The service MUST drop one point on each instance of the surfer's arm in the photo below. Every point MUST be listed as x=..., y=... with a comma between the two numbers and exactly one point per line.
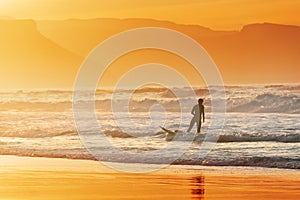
x=193, y=111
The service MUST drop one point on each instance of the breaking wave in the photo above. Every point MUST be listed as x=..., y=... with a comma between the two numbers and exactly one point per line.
x=265, y=103
x=268, y=103
x=272, y=162
x=245, y=137
x=223, y=138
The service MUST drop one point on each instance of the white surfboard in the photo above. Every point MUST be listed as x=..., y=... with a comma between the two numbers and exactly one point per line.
x=181, y=136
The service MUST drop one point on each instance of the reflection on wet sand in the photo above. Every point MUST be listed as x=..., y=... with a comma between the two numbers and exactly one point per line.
x=198, y=189
x=37, y=178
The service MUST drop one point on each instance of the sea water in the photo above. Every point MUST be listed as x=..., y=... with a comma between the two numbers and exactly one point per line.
x=262, y=126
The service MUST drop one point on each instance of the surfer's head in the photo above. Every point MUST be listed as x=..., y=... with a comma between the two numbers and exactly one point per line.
x=200, y=101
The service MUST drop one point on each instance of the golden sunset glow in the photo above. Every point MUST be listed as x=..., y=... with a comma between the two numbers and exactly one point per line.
x=43, y=43
x=216, y=14
x=149, y=99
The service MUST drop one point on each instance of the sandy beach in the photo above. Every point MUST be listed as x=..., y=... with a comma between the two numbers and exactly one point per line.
x=51, y=178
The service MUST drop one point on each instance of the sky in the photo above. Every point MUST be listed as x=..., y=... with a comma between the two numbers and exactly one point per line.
x=215, y=14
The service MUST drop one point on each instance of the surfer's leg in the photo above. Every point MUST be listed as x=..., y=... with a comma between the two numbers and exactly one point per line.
x=198, y=126
x=192, y=123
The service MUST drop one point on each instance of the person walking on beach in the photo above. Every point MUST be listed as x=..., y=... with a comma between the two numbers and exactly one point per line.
x=198, y=111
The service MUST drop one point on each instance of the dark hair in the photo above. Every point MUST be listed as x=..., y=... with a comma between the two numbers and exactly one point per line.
x=200, y=101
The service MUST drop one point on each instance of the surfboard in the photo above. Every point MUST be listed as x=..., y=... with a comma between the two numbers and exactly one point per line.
x=177, y=135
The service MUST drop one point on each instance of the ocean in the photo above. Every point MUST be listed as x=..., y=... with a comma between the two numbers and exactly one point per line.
x=262, y=126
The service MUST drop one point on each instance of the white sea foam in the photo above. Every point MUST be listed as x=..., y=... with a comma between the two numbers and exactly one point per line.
x=262, y=126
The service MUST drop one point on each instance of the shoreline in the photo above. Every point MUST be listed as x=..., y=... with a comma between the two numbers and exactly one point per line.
x=196, y=166
x=59, y=178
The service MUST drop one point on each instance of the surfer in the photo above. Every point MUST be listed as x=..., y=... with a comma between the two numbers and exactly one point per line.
x=198, y=111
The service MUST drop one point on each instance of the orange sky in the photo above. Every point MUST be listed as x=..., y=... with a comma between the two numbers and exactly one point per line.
x=216, y=14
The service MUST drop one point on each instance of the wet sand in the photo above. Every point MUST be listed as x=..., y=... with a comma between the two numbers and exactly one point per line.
x=51, y=178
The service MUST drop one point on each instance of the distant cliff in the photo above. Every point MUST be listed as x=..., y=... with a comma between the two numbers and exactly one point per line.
x=49, y=53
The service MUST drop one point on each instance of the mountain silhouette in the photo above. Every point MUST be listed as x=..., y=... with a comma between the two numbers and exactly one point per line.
x=49, y=53
x=29, y=59
x=242, y=56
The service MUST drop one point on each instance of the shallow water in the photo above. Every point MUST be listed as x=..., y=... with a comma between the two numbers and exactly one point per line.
x=262, y=131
